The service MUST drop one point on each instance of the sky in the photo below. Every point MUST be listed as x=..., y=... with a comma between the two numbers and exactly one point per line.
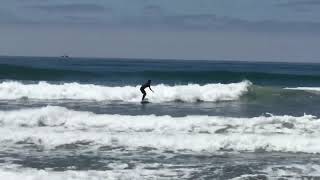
x=250, y=30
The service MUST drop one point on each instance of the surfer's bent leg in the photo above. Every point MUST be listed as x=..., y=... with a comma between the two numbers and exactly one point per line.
x=144, y=93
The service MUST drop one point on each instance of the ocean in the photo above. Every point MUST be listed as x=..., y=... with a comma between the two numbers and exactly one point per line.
x=81, y=118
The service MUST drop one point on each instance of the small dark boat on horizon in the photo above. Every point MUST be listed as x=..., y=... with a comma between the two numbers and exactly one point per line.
x=65, y=56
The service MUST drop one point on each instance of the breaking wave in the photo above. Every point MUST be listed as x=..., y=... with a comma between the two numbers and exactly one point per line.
x=305, y=89
x=54, y=127
x=163, y=93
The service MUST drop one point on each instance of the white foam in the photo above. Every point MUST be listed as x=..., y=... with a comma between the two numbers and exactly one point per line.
x=309, y=170
x=304, y=88
x=131, y=174
x=163, y=93
x=54, y=116
x=51, y=127
x=51, y=139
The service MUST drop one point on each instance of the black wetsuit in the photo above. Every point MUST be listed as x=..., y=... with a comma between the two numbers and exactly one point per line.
x=143, y=91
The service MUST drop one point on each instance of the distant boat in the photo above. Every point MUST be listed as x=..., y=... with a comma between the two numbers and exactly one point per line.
x=65, y=56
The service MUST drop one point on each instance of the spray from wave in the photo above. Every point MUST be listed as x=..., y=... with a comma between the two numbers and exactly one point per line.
x=163, y=93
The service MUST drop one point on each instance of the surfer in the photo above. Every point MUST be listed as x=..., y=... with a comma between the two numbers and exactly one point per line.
x=147, y=84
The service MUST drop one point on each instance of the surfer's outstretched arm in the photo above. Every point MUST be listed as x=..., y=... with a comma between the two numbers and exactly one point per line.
x=151, y=89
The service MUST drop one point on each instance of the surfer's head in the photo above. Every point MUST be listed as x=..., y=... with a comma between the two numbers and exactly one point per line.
x=149, y=81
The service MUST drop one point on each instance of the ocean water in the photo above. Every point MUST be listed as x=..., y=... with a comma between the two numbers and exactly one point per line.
x=81, y=118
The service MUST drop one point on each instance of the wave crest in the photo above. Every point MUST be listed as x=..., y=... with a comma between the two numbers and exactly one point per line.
x=54, y=116
x=163, y=93
x=311, y=89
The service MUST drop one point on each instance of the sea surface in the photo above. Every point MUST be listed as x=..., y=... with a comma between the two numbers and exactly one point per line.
x=81, y=118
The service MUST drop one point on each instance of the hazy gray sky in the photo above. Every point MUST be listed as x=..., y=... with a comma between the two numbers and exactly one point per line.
x=262, y=30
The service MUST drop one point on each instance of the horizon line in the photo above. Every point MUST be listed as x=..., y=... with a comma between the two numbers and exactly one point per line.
x=165, y=59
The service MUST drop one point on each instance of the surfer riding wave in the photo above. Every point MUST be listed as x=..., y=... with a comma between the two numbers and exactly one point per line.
x=143, y=87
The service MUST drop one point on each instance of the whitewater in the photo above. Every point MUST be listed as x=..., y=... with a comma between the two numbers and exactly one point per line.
x=164, y=93
x=312, y=89
x=52, y=127
x=54, y=132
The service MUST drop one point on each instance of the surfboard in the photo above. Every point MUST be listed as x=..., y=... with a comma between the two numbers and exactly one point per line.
x=145, y=102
